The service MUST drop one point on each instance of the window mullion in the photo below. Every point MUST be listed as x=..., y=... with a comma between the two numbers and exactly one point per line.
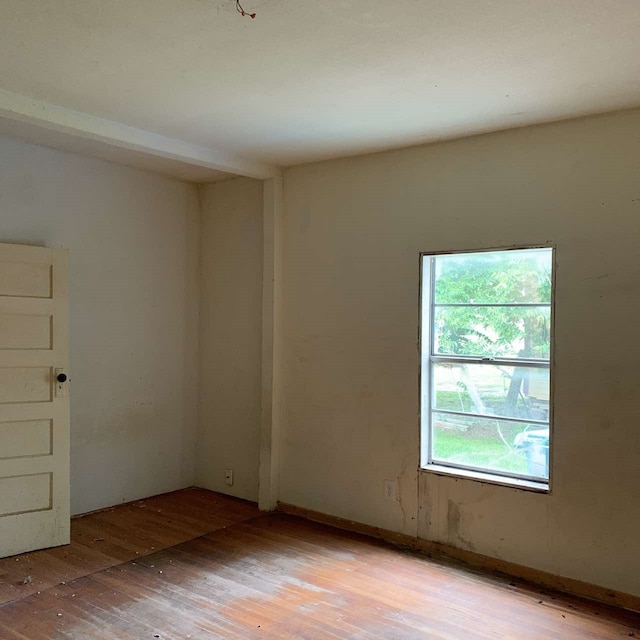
x=492, y=304
x=490, y=416
x=503, y=362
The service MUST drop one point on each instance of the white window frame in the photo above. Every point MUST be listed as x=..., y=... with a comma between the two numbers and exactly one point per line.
x=428, y=358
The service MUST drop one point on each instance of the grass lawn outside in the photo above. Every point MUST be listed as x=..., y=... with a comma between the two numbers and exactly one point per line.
x=482, y=451
x=485, y=443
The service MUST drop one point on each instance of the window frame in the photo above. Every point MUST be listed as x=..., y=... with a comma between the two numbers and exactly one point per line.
x=426, y=313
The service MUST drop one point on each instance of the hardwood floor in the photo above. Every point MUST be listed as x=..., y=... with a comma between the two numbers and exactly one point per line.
x=112, y=536
x=194, y=564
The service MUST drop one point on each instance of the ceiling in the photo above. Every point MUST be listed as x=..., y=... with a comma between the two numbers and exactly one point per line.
x=309, y=79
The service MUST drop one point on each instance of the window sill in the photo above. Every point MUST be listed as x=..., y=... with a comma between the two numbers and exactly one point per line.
x=489, y=478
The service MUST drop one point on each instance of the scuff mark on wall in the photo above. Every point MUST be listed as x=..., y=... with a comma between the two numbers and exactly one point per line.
x=454, y=518
x=399, y=480
x=426, y=504
x=408, y=508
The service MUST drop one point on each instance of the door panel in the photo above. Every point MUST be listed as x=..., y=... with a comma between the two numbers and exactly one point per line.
x=25, y=384
x=25, y=494
x=25, y=279
x=26, y=438
x=34, y=407
x=25, y=331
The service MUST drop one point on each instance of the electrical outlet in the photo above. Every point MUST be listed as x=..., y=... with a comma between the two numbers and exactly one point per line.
x=228, y=476
x=390, y=490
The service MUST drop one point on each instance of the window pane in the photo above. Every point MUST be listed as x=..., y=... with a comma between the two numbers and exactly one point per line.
x=494, y=445
x=494, y=277
x=509, y=332
x=513, y=392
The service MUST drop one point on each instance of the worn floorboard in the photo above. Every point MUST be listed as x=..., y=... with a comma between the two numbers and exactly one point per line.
x=198, y=565
x=112, y=536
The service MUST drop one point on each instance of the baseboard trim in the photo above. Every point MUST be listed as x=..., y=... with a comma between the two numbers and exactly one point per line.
x=486, y=563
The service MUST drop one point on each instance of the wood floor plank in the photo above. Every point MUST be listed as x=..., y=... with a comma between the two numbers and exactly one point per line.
x=112, y=536
x=282, y=577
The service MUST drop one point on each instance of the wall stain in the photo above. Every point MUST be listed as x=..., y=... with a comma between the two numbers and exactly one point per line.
x=399, y=478
x=453, y=527
x=425, y=502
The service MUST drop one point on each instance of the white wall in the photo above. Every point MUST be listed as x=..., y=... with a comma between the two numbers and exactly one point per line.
x=230, y=336
x=353, y=231
x=133, y=241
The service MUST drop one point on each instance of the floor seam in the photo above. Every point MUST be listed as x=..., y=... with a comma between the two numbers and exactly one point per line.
x=125, y=562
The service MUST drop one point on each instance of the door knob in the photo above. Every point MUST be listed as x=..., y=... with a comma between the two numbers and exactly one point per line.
x=61, y=377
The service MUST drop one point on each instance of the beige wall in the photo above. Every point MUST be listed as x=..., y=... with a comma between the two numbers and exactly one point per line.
x=133, y=241
x=353, y=231
x=230, y=336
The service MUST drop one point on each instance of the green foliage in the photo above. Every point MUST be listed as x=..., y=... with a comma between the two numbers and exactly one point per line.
x=496, y=278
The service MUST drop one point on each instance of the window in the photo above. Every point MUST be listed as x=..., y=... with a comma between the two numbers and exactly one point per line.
x=485, y=377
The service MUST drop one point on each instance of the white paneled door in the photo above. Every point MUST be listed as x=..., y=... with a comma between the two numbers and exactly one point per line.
x=34, y=398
